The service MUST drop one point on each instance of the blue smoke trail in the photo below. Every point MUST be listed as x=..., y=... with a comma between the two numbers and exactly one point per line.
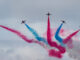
x=36, y=34
x=57, y=35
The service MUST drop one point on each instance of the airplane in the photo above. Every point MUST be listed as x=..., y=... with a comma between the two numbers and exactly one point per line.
x=63, y=21
x=48, y=14
x=23, y=21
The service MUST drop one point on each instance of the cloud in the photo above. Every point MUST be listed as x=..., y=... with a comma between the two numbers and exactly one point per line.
x=75, y=51
x=30, y=52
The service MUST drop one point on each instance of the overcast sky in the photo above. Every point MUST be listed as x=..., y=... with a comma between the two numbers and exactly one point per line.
x=12, y=12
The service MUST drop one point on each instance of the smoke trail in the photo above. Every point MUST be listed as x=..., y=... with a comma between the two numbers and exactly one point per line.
x=57, y=35
x=52, y=43
x=67, y=40
x=48, y=32
x=23, y=36
x=52, y=52
x=70, y=36
x=36, y=34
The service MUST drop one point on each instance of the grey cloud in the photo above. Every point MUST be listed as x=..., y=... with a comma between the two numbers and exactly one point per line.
x=24, y=53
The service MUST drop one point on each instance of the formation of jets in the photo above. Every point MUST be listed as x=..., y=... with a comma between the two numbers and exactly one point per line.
x=23, y=21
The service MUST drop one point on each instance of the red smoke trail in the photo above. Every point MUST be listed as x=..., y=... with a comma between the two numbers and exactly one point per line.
x=70, y=36
x=53, y=52
x=58, y=54
x=23, y=36
x=17, y=33
x=48, y=33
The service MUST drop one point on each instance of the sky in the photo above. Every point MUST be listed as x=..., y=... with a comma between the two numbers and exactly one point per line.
x=12, y=12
